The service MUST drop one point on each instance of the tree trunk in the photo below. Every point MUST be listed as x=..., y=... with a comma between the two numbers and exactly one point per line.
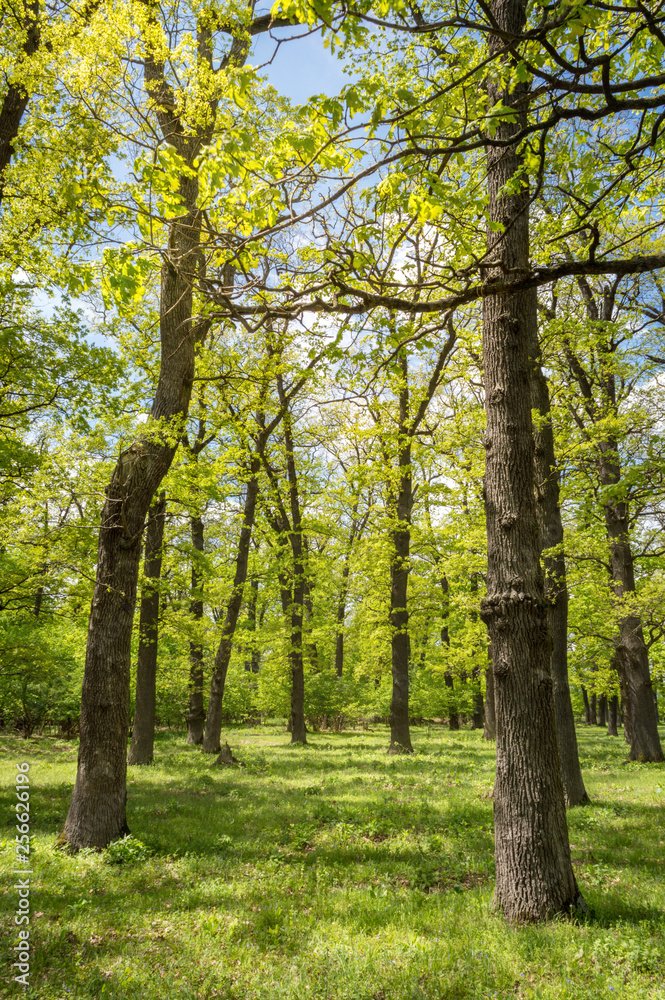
x=478, y=716
x=453, y=715
x=612, y=715
x=341, y=614
x=401, y=503
x=534, y=875
x=141, y=749
x=548, y=512
x=252, y=664
x=196, y=713
x=587, y=706
x=213, y=729
x=489, y=731
x=602, y=710
x=97, y=811
x=593, y=709
x=640, y=716
x=16, y=97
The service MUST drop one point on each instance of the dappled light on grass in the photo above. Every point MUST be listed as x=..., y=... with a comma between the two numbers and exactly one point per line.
x=334, y=872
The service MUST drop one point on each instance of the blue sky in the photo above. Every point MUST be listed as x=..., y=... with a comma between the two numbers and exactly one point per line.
x=301, y=67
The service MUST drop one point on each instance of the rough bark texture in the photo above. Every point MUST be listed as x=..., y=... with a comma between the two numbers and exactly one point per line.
x=546, y=479
x=612, y=715
x=141, y=749
x=195, y=711
x=534, y=875
x=213, y=729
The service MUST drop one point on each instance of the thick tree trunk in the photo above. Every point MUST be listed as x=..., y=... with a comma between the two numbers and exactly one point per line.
x=612, y=715
x=196, y=713
x=534, y=875
x=640, y=716
x=548, y=512
x=489, y=731
x=141, y=749
x=213, y=729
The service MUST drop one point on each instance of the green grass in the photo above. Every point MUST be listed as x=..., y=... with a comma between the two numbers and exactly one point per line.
x=331, y=872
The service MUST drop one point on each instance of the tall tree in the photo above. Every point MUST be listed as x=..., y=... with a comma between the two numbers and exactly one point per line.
x=534, y=875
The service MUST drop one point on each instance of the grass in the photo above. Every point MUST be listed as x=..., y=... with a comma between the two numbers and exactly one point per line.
x=330, y=872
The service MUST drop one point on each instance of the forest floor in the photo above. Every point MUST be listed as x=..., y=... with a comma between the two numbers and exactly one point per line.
x=332, y=872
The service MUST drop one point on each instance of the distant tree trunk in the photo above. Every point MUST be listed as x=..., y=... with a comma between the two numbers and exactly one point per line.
x=594, y=709
x=251, y=664
x=341, y=612
x=548, y=512
x=401, y=503
x=489, y=731
x=196, y=713
x=213, y=729
x=602, y=710
x=534, y=875
x=640, y=716
x=612, y=716
x=310, y=644
x=453, y=715
x=141, y=749
x=478, y=715
x=587, y=706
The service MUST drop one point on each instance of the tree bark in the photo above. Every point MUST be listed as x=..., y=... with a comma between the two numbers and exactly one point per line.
x=548, y=511
x=612, y=715
x=213, y=729
x=534, y=875
x=196, y=712
x=141, y=749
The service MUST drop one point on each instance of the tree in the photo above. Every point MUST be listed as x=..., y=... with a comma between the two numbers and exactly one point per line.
x=534, y=877
x=141, y=749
